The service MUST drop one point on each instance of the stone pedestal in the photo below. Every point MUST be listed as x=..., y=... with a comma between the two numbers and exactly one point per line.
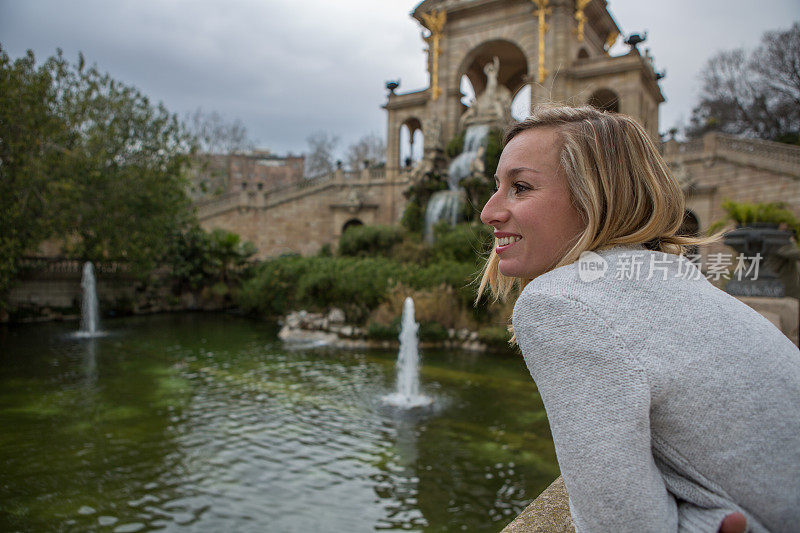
x=783, y=312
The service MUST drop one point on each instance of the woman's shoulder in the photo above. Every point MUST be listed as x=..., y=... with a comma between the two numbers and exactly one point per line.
x=618, y=273
x=622, y=285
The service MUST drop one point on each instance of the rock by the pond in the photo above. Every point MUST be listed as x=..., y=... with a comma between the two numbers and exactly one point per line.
x=336, y=316
x=303, y=336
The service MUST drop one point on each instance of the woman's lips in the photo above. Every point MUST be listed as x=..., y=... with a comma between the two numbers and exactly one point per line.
x=505, y=240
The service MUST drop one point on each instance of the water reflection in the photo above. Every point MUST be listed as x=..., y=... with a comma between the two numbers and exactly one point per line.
x=206, y=423
x=90, y=363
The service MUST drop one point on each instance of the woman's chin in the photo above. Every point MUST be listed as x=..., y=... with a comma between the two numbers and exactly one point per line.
x=514, y=270
x=510, y=270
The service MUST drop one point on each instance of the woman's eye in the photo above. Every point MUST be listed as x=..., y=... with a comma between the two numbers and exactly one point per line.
x=519, y=188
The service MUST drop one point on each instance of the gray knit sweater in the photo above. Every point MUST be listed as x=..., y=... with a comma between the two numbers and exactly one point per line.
x=671, y=403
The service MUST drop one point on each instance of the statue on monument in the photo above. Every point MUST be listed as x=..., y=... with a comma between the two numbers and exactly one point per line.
x=493, y=105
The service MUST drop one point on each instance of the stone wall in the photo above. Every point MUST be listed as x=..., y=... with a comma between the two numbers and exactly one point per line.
x=50, y=289
x=214, y=174
x=301, y=219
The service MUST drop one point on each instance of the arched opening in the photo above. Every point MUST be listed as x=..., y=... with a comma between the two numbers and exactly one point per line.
x=417, y=145
x=411, y=143
x=691, y=227
x=521, y=104
x=513, y=65
x=605, y=99
x=467, y=91
x=583, y=54
x=513, y=72
x=353, y=222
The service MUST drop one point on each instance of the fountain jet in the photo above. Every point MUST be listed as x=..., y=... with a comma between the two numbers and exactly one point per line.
x=407, y=395
x=90, y=321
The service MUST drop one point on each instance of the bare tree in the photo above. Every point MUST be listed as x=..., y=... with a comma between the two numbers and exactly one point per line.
x=320, y=156
x=370, y=150
x=755, y=94
x=216, y=136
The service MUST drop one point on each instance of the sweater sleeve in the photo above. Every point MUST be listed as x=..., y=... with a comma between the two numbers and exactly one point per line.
x=597, y=400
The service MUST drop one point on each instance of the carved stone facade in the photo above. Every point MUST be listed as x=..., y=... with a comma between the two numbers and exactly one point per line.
x=537, y=43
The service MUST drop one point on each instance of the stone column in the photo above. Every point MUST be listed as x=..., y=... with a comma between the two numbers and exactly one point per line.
x=392, y=145
x=558, y=46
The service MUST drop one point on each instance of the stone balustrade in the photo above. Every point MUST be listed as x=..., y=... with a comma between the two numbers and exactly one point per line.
x=264, y=199
x=776, y=157
x=58, y=267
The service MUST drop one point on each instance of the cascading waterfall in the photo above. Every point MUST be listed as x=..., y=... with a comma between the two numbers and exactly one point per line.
x=459, y=168
x=90, y=321
x=445, y=205
x=407, y=395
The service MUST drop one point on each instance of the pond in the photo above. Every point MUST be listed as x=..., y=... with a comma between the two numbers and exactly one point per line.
x=200, y=422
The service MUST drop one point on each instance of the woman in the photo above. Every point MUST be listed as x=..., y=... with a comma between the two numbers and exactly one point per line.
x=672, y=405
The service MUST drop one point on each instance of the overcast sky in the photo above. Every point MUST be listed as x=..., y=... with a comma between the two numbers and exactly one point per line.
x=287, y=68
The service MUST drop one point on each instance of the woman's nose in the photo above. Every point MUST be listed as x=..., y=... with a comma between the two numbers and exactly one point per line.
x=493, y=211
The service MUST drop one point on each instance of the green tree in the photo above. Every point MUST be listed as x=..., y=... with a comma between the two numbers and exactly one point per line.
x=87, y=160
x=31, y=140
x=201, y=259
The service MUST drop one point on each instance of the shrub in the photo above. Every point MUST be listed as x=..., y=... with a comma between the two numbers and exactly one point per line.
x=412, y=250
x=459, y=276
x=372, y=289
x=378, y=331
x=413, y=216
x=271, y=290
x=369, y=240
x=463, y=243
x=431, y=304
x=496, y=337
x=432, y=332
x=744, y=213
x=286, y=283
x=355, y=285
x=199, y=259
x=456, y=145
x=418, y=195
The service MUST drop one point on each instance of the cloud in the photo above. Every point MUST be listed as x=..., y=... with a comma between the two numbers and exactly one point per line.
x=288, y=68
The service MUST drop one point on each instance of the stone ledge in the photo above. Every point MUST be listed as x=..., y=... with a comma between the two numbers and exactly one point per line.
x=548, y=513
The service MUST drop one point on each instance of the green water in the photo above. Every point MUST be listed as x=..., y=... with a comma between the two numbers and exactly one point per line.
x=208, y=423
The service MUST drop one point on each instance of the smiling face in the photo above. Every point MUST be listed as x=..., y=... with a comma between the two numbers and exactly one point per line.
x=532, y=212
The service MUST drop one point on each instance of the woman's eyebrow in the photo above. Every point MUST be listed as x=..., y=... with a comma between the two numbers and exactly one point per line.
x=514, y=171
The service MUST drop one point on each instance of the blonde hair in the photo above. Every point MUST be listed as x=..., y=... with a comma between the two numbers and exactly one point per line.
x=618, y=181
